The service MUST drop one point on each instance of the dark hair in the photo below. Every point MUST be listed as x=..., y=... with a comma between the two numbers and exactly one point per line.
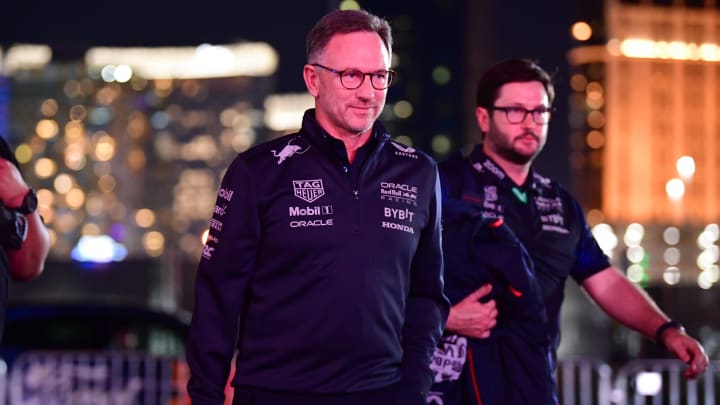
x=345, y=22
x=511, y=71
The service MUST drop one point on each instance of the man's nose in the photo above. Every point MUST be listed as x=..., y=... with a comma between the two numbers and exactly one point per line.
x=366, y=90
x=529, y=121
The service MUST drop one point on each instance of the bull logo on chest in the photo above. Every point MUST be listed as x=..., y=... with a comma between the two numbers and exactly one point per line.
x=288, y=151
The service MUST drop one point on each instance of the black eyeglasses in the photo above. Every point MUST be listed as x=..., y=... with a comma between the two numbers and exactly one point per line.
x=351, y=79
x=516, y=115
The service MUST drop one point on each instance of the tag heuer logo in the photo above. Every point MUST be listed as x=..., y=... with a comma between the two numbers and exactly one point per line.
x=308, y=190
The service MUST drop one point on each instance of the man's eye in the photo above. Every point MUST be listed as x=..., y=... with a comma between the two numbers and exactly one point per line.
x=353, y=74
x=516, y=110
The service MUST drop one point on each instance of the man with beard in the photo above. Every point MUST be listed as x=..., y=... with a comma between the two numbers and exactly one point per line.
x=514, y=106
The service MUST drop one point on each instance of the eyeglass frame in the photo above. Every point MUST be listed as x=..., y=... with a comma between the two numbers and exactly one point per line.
x=391, y=76
x=533, y=112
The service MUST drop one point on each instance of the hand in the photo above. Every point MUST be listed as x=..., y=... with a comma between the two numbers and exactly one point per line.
x=688, y=350
x=12, y=185
x=472, y=318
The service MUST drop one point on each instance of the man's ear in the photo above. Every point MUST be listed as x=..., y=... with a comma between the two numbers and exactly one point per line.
x=482, y=115
x=311, y=80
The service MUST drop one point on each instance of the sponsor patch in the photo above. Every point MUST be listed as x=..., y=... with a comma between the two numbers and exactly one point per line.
x=449, y=358
x=308, y=190
x=398, y=227
x=288, y=151
x=402, y=214
x=220, y=210
x=216, y=225
x=225, y=194
x=310, y=211
x=207, y=252
x=398, y=192
x=311, y=223
x=551, y=214
x=406, y=151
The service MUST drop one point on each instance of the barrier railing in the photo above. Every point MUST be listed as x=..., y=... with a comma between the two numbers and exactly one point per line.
x=661, y=382
x=84, y=378
x=122, y=378
x=585, y=381
x=3, y=381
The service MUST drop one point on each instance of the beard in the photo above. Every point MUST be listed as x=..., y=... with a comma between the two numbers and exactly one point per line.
x=503, y=145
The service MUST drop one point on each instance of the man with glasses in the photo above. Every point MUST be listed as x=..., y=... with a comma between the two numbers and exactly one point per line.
x=323, y=265
x=496, y=184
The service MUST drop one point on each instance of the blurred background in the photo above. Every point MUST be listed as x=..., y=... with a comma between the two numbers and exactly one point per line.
x=125, y=115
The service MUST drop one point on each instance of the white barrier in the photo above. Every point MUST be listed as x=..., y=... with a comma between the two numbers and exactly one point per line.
x=97, y=378
x=3, y=381
x=585, y=381
x=128, y=378
x=661, y=381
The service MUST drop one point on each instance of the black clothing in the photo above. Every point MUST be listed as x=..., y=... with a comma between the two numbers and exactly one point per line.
x=551, y=227
x=7, y=154
x=334, y=284
x=512, y=365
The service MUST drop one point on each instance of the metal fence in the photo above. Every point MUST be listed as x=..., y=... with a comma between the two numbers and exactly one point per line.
x=117, y=378
x=95, y=378
x=585, y=381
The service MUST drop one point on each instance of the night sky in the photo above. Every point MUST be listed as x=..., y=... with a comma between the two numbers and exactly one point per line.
x=71, y=27
x=524, y=28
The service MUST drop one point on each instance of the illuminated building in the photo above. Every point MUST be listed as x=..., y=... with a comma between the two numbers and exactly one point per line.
x=127, y=149
x=646, y=91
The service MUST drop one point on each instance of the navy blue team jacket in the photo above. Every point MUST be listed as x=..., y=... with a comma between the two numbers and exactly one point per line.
x=511, y=366
x=323, y=278
x=542, y=215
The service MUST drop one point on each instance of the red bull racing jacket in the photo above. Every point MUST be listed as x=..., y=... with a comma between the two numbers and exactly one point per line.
x=324, y=277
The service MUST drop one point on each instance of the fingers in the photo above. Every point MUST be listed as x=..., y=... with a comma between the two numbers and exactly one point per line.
x=484, y=290
x=699, y=363
x=693, y=354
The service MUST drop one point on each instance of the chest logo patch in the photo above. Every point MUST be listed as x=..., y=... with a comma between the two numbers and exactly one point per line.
x=288, y=151
x=406, y=151
x=308, y=190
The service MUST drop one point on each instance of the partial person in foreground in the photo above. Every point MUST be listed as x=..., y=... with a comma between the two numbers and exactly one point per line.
x=322, y=269
x=25, y=240
x=514, y=106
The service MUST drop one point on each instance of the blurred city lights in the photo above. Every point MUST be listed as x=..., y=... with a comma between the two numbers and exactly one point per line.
x=441, y=144
x=441, y=75
x=634, y=234
x=204, y=61
x=98, y=249
x=675, y=189
x=606, y=237
x=671, y=235
x=403, y=109
x=25, y=56
x=671, y=256
x=685, y=167
x=677, y=50
x=581, y=31
x=648, y=383
x=671, y=275
x=284, y=112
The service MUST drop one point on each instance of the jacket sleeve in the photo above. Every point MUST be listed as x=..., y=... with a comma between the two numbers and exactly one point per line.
x=427, y=307
x=221, y=281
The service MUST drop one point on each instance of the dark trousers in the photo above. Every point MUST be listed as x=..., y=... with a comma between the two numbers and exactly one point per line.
x=257, y=396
